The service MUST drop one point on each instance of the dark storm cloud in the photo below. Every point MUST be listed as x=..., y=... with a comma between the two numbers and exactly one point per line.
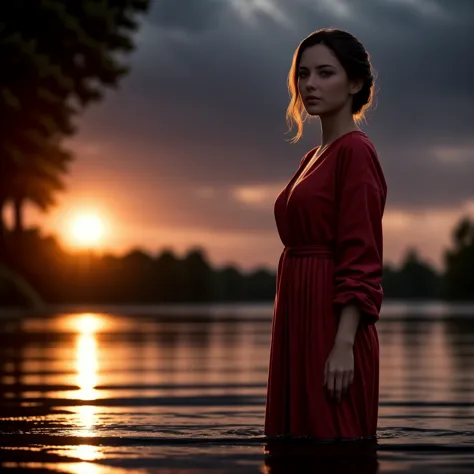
x=188, y=15
x=206, y=100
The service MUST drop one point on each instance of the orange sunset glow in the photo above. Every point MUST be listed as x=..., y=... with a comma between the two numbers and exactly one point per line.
x=87, y=229
x=81, y=228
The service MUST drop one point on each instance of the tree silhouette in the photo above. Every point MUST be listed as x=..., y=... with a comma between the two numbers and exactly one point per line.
x=140, y=278
x=459, y=260
x=197, y=283
x=414, y=279
x=169, y=277
x=418, y=279
x=38, y=182
x=57, y=57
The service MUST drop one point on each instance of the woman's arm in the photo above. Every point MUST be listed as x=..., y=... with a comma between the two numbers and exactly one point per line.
x=339, y=370
x=348, y=324
x=359, y=237
x=358, y=261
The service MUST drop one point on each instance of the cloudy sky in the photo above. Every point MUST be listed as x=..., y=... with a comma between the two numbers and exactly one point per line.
x=192, y=149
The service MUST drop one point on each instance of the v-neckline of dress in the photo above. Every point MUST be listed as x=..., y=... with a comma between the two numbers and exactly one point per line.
x=298, y=177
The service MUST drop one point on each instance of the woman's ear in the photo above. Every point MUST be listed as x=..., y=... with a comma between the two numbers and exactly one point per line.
x=355, y=86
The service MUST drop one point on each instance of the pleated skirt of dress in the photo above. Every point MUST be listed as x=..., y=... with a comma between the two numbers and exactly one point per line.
x=303, y=332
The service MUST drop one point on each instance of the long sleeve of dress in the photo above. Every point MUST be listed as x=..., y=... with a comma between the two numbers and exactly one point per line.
x=361, y=196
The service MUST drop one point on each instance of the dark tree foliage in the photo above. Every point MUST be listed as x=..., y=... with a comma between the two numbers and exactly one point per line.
x=57, y=57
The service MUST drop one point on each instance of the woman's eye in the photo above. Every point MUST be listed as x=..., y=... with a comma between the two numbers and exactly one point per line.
x=325, y=73
x=302, y=74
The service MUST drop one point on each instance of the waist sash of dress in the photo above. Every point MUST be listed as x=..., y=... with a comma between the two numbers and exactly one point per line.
x=312, y=250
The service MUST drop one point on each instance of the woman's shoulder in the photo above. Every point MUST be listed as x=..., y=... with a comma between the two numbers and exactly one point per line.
x=358, y=158
x=357, y=143
x=357, y=150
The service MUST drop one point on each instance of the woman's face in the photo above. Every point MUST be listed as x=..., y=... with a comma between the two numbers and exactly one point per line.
x=323, y=83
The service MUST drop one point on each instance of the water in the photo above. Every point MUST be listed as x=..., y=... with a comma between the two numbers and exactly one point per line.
x=182, y=390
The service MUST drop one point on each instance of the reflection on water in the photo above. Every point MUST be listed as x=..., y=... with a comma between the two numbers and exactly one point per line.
x=86, y=453
x=87, y=362
x=285, y=457
x=87, y=367
x=101, y=393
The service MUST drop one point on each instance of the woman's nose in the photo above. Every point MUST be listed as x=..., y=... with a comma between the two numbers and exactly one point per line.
x=312, y=82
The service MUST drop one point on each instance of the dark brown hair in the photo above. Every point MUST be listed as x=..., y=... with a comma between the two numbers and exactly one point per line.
x=354, y=59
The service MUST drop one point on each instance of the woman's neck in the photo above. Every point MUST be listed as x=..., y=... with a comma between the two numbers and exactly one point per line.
x=332, y=127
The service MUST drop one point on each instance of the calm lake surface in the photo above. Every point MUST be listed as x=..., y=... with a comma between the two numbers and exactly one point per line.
x=181, y=390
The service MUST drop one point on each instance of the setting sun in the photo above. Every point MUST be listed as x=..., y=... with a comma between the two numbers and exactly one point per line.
x=87, y=229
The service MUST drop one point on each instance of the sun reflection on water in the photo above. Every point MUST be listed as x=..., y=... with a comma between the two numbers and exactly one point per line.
x=86, y=452
x=87, y=366
x=86, y=468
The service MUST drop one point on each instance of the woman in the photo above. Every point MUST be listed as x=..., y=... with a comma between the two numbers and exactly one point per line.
x=323, y=379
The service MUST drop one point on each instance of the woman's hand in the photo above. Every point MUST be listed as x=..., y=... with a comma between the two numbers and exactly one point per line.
x=339, y=370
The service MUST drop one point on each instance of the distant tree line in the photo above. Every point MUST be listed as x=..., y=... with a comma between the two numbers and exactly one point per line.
x=141, y=278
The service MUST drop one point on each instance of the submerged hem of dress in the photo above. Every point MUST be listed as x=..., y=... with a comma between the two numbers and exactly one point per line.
x=291, y=437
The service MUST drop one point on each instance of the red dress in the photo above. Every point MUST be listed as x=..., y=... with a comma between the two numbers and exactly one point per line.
x=331, y=227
